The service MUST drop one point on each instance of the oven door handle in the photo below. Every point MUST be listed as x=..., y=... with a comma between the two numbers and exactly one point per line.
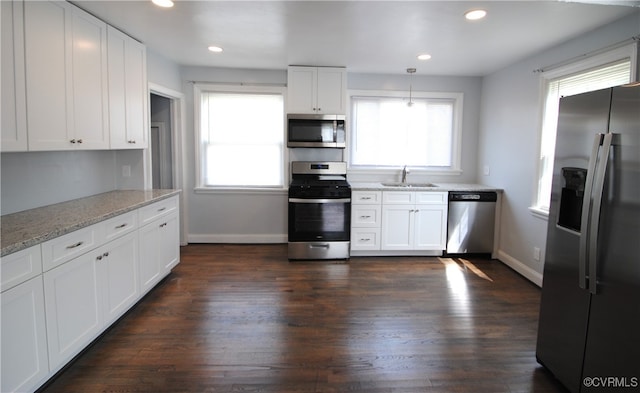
x=323, y=200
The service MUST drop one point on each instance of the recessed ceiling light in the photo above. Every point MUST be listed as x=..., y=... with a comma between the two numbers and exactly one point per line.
x=163, y=3
x=424, y=56
x=475, y=14
x=215, y=49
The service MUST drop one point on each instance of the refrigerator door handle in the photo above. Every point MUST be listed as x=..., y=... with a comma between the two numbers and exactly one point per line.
x=586, y=208
x=595, y=212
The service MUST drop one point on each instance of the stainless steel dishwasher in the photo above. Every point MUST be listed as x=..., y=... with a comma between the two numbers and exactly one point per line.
x=471, y=222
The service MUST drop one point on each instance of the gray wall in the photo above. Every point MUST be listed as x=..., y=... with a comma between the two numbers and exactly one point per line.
x=509, y=131
x=261, y=217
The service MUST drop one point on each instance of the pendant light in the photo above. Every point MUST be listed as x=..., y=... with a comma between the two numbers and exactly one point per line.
x=410, y=71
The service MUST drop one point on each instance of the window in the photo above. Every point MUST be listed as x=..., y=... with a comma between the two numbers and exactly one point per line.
x=598, y=72
x=385, y=131
x=241, y=136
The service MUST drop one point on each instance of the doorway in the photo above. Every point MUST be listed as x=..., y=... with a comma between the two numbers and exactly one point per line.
x=161, y=142
x=163, y=159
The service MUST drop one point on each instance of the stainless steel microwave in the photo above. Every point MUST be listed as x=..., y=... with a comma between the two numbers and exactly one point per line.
x=316, y=131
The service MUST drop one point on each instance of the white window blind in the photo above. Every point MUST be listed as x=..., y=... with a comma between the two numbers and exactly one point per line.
x=388, y=132
x=601, y=77
x=242, y=139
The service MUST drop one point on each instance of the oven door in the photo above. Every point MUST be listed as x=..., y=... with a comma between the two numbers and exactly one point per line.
x=319, y=219
x=319, y=228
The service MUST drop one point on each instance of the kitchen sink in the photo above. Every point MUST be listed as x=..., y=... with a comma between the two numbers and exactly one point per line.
x=400, y=184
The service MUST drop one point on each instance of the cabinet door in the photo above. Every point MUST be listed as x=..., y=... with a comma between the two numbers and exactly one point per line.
x=118, y=267
x=48, y=82
x=363, y=239
x=331, y=87
x=397, y=227
x=301, y=89
x=73, y=307
x=24, y=342
x=149, y=236
x=365, y=216
x=430, y=223
x=89, y=81
x=127, y=91
x=169, y=239
x=14, y=130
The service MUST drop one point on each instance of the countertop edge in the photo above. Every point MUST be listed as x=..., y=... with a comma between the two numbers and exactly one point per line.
x=441, y=187
x=146, y=197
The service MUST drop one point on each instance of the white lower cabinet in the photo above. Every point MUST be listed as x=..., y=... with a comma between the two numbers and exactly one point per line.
x=158, y=254
x=414, y=220
x=118, y=270
x=73, y=307
x=366, y=213
x=24, y=343
x=58, y=296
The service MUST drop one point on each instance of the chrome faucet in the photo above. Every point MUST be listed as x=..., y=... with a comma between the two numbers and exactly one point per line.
x=404, y=174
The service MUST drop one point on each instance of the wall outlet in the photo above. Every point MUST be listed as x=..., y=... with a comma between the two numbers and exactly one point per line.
x=486, y=170
x=536, y=253
x=126, y=171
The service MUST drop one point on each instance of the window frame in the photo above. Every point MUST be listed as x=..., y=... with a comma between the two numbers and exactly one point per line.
x=199, y=148
x=456, y=138
x=602, y=59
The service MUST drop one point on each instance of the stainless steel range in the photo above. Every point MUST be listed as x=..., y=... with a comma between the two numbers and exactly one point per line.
x=319, y=210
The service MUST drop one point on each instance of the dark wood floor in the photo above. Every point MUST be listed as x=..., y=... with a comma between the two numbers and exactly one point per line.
x=242, y=318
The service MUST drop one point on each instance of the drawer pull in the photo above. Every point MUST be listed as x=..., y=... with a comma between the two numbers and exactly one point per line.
x=121, y=226
x=365, y=198
x=162, y=209
x=78, y=244
x=164, y=224
x=365, y=240
x=365, y=216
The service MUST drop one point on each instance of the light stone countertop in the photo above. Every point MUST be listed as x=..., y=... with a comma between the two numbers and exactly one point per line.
x=27, y=228
x=445, y=187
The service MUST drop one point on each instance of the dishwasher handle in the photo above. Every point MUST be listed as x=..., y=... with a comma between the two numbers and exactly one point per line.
x=472, y=196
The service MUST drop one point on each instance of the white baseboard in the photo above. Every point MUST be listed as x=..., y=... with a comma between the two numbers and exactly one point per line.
x=521, y=268
x=254, y=238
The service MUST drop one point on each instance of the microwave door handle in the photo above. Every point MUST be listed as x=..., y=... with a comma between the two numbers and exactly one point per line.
x=335, y=130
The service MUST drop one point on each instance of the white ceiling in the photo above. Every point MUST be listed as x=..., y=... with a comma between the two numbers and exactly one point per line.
x=364, y=36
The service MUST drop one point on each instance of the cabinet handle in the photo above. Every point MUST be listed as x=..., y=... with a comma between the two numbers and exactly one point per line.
x=365, y=216
x=162, y=209
x=131, y=141
x=73, y=141
x=365, y=198
x=78, y=244
x=121, y=226
x=164, y=224
x=79, y=140
x=365, y=240
x=99, y=257
x=106, y=254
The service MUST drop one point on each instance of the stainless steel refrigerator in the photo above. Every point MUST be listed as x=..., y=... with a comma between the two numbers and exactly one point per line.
x=589, y=326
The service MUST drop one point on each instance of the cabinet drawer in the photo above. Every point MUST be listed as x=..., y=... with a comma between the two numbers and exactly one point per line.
x=120, y=225
x=366, y=197
x=61, y=249
x=398, y=197
x=432, y=198
x=20, y=266
x=365, y=239
x=365, y=216
x=156, y=210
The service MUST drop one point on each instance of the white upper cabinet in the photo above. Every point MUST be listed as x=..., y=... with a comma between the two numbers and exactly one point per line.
x=14, y=130
x=66, y=79
x=317, y=90
x=127, y=91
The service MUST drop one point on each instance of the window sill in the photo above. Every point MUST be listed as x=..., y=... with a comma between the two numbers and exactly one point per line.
x=240, y=191
x=539, y=213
